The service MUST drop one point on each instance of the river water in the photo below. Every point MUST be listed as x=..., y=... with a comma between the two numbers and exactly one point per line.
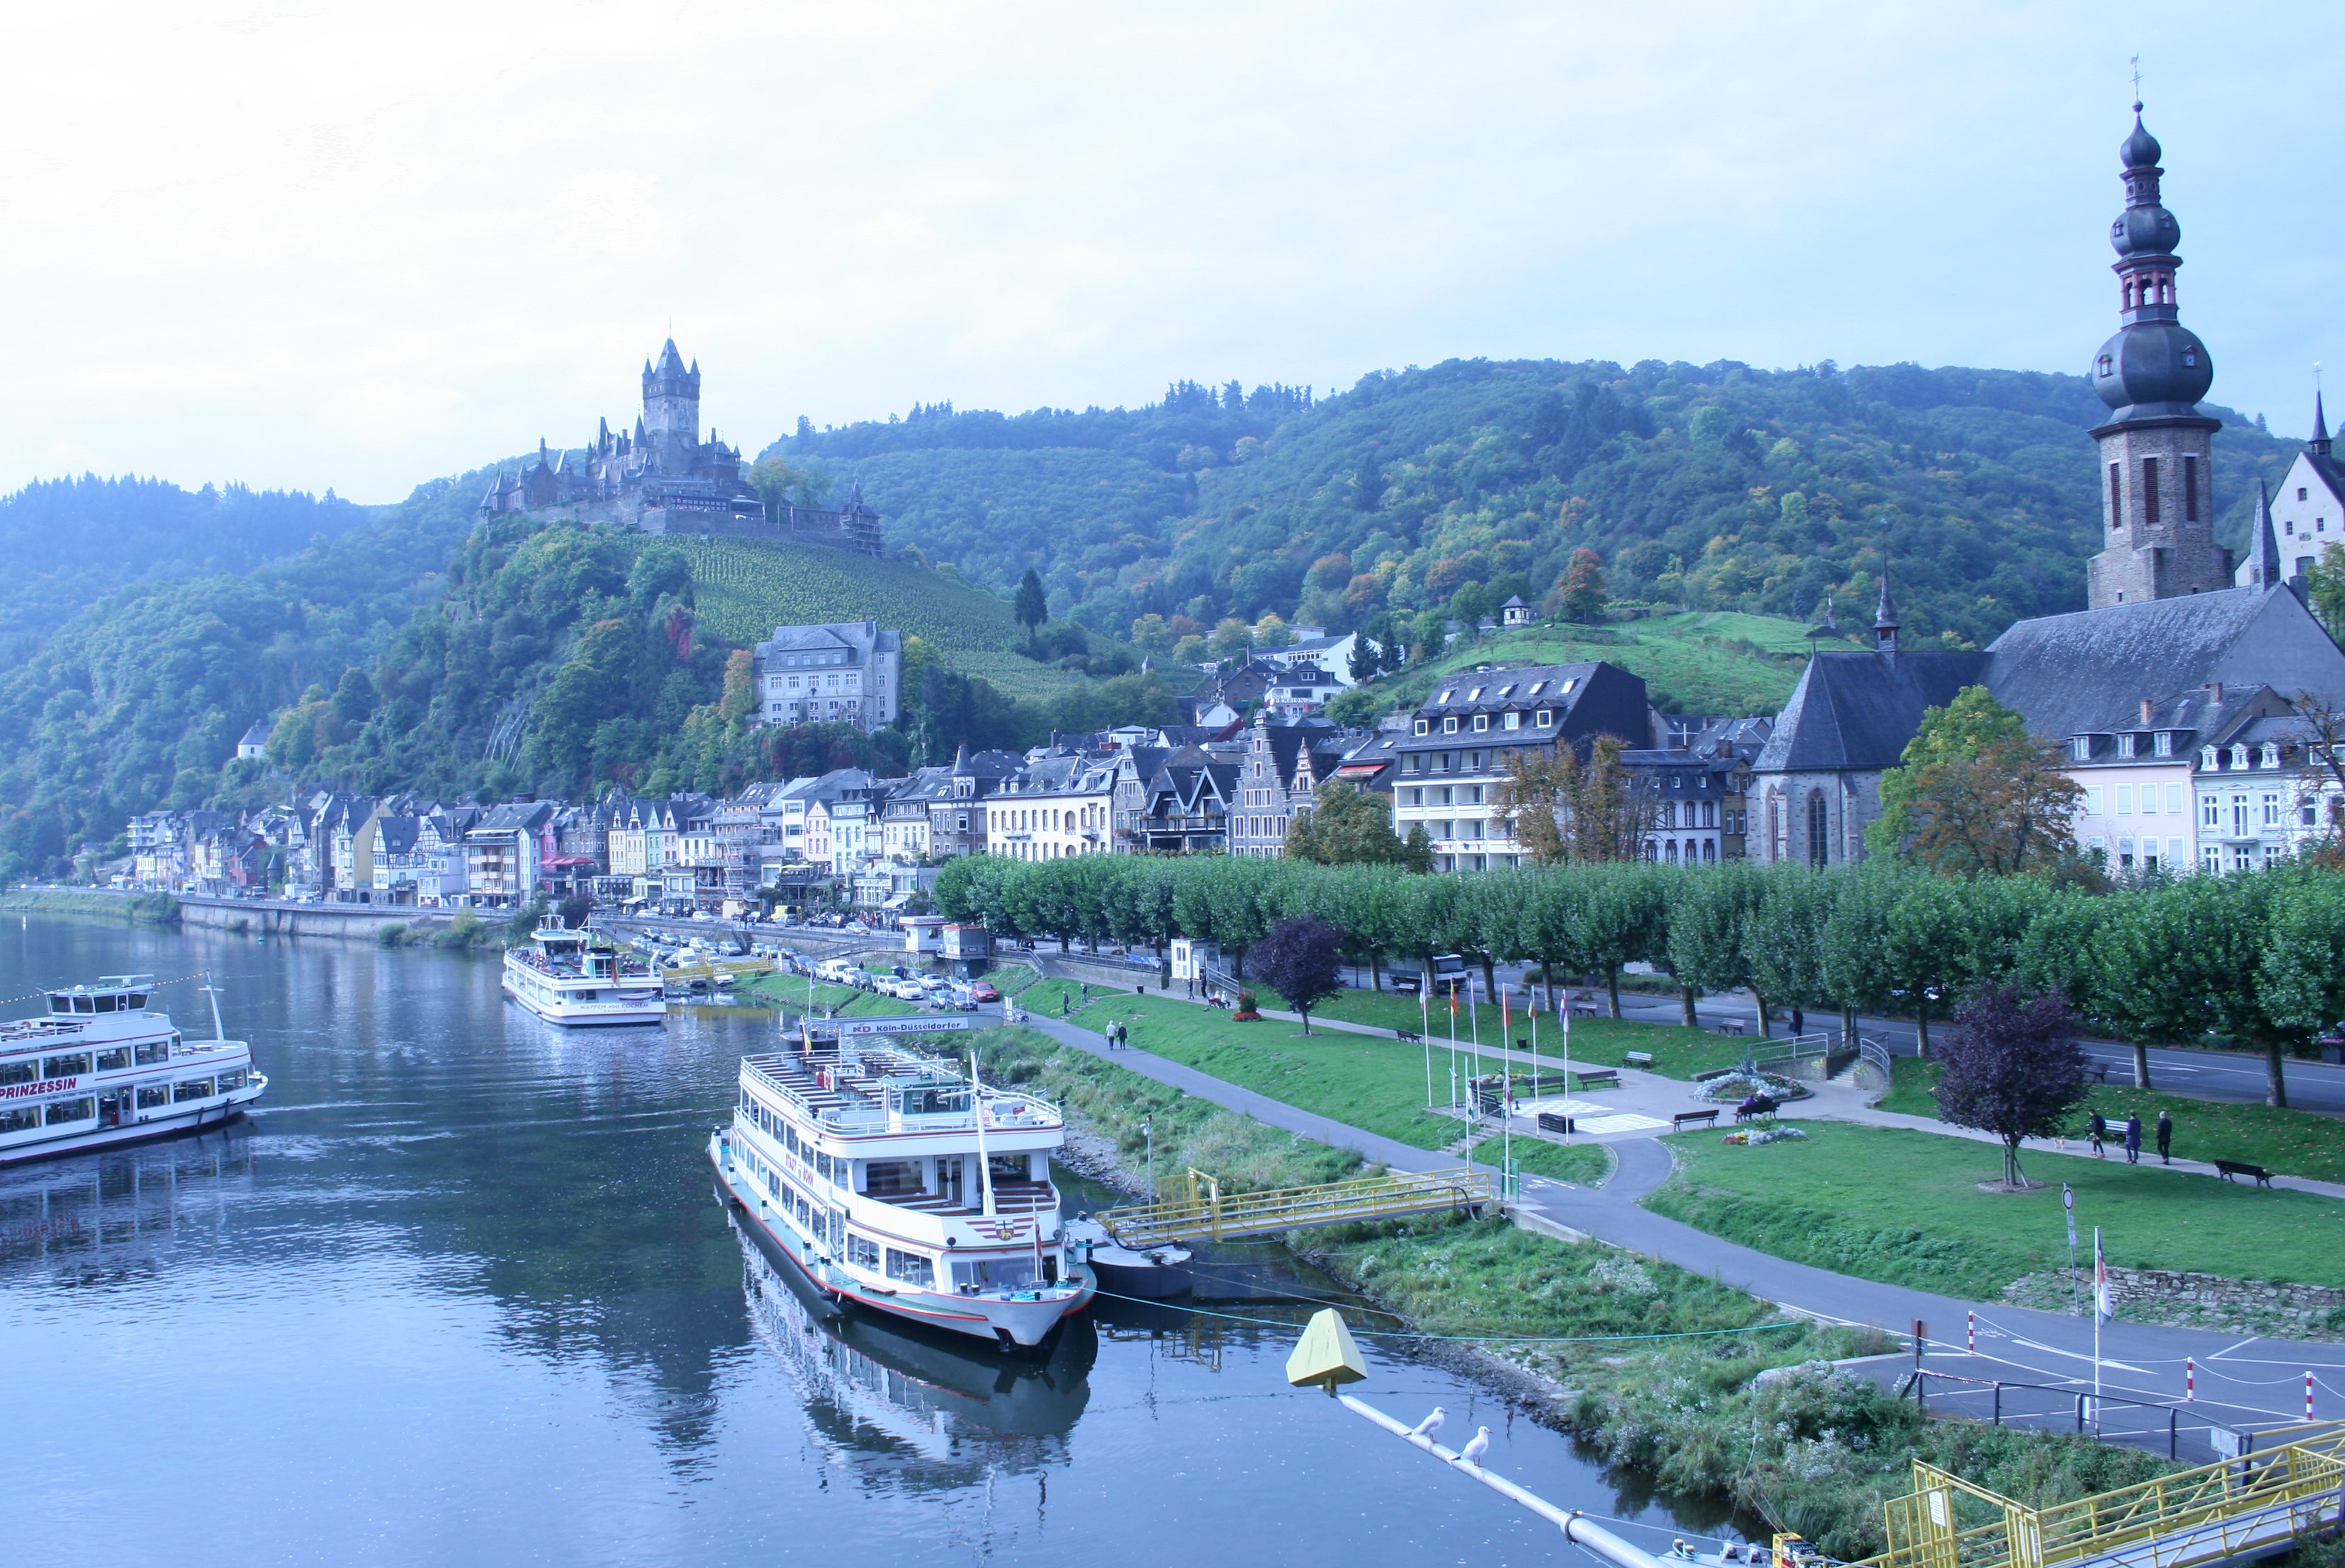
x=461, y=1293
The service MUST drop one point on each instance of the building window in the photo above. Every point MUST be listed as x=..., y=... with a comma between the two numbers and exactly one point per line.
x=1449, y=726
x=2189, y=490
x=2161, y=744
x=2081, y=747
x=1481, y=721
x=1819, y=829
x=2207, y=758
x=2271, y=755
x=2116, y=496
x=1424, y=726
x=1545, y=719
x=2240, y=756
x=2149, y=491
x=1514, y=719
x=2124, y=800
x=2124, y=746
x=2271, y=811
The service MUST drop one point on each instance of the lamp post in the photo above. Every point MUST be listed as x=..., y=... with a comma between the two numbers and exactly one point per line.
x=1148, y=1131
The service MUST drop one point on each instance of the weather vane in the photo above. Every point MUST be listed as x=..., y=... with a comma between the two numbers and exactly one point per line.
x=2137, y=83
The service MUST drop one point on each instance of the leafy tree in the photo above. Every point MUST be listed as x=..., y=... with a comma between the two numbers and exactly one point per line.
x=2181, y=962
x=1784, y=934
x=2324, y=586
x=1301, y=960
x=1346, y=826
x=1567, y=811
x=1416, y=850
x=1581, y=596
x=1366, y=659
x=2010, y=1066
x=2300, y=981
x=1975, y=793
x=1033, y=606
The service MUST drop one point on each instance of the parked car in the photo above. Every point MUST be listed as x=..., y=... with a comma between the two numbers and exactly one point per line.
x=984, y=991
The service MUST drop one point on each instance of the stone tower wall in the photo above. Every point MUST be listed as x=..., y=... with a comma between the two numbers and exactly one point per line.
x=2160, y=547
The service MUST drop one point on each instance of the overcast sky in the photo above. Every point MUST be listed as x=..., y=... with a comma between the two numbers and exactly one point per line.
x=358, y=247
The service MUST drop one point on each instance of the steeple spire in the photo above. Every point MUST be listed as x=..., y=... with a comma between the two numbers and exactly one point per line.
x=1885, y=619
x=2320, y=441
x=2263, y=559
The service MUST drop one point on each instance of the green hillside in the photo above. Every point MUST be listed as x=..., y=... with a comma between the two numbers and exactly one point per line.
x=1713, y=487
x=744, y=588
x=1702, y=661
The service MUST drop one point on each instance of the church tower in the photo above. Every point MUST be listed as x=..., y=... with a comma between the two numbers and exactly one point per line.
x=671, y=423
x=2157, y=511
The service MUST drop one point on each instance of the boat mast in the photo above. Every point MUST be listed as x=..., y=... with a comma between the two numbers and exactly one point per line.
x=219, y=1030
x=984, y=1165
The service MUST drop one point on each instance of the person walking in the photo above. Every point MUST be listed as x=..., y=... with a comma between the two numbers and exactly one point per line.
x=2165, y=1138
x=2097, y=1131
x=2133, y=1137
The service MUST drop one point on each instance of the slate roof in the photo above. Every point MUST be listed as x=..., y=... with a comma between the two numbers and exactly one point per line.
x=1857, y=710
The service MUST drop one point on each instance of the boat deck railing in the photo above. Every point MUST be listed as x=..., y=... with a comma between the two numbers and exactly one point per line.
x=851, y=1093
x=1009, y=1198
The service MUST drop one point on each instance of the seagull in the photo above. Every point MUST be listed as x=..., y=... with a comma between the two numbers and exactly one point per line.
x=1430, y=1424
x=1476, y=1446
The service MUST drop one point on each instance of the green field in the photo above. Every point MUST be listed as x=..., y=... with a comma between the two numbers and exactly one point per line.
x=790, y=991
x=1700, y=662
x=1586, y=1164
x=2292, y=1142
x=1906, y=1208
x=746, y=587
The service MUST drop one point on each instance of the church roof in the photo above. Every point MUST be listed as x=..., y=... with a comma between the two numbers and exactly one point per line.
x=1857, y=710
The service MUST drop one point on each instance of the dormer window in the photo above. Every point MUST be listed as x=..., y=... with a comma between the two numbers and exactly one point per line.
x=2240, y=756
x=2162, y=744
x=1449, y=725
x=1481, y=721
x=2081, y=748
x=2271, y=753
x=2106, y=365
x=2207, y=759
x=2124, y=746
x=1425, y=726
x=1547, y=718
x=1514, y=719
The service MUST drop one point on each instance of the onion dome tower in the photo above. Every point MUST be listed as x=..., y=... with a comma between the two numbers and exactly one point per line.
x=2157, y=488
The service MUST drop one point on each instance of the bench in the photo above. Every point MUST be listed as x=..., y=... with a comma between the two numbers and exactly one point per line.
x=1686, y=1118
x=1599, y=1078
x=1636, y=1058
x=1733, y=1027
x=1549, y=1121
x=2100, y=1071
x=2227, y=1169
x=1583, y=1009
x=1410, y=1036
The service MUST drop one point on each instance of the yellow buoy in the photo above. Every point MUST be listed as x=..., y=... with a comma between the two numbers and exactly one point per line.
x=1326, y=1355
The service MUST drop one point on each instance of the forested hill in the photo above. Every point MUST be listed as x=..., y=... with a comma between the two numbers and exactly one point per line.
x=1710, y=486
x=68, y=542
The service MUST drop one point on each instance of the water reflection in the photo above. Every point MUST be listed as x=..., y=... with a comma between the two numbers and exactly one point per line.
x=114, y=1217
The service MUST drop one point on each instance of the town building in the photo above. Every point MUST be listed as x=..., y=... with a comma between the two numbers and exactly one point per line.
x=1053, y=808
x=2309, y=514
x=1280, y=770
x=846, y=673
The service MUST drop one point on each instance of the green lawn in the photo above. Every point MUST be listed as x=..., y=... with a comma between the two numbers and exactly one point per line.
x=1586, y=1163
x=790, y=991
x=2293, y=1142
x=1904, y=1207
x=1676, y=1052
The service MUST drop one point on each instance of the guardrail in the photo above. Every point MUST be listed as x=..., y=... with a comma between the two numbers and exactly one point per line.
x=1206, y=1213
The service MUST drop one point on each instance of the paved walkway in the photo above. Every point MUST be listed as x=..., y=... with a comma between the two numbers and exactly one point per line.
x=2239, y=1381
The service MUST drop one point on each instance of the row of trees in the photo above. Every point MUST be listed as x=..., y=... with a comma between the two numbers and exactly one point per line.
x=2252, y=960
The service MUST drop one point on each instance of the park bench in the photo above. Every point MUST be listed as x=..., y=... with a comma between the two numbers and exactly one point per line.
x=1733, y=1027
x=1600, y=1078
x=1686, y=1118
x=2227, y=1169
x=2100, y=1071
x=1583, y=1009
x=1549, y=1121
x=1636, y=1058
x=1410, y=1036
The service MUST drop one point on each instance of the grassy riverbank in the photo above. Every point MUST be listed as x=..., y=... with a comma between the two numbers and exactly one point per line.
x=2292, y=1142
x=1814, y=1449
x=1825, y=1202
x=108, y=904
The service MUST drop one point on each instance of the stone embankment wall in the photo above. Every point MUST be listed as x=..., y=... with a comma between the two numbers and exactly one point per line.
x=2166, y=1295
x=280, y=918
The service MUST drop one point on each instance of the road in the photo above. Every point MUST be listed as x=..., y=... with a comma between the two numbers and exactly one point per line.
x=2240, y=1381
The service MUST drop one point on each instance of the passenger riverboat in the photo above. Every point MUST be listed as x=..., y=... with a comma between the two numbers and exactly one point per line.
x=100, y=1068
x=566, y=976
x=899, y=1182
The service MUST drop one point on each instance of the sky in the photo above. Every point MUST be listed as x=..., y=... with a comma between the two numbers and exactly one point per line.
x=357, y=247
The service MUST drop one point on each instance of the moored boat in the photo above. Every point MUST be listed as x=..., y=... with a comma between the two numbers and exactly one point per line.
x=98, y=1068
x=1156, y=1273
x=894, y=1181
x=566, y=976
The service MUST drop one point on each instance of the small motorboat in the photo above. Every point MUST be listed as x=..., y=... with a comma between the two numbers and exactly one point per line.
x=1149, y=1274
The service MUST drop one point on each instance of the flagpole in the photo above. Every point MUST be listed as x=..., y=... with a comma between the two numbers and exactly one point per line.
x=1453, y=1050
x=1563, y=1022
x=1425, y=1037
x=1507, y=1092
x=2100, y=1310
x=1474, y=1023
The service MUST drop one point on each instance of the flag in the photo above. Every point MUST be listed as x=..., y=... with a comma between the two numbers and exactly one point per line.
x=1505, y=1014
x=2100, y=1279
x=1452, y=1001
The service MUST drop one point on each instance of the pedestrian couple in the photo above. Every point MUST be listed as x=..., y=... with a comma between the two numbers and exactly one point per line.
x=1119, y=1037
x=2098, y=1131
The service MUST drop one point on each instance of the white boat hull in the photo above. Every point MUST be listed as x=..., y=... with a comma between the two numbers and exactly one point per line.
x=195, y=1117
x=995, y=1319
x=576, y=1014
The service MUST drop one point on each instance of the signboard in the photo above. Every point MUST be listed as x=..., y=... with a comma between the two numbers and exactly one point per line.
x=2226, y=1442
x=849, y=1029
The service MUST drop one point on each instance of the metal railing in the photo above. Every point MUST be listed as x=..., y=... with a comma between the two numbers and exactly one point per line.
x=2152, y=1424
x=1207, y=1213
x=1872, y=1056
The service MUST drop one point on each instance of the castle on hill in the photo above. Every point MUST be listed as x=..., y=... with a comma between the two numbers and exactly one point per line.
x=663, y=478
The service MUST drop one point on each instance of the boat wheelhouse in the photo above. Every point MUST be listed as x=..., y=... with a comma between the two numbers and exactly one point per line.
x=896, y=1182
x=98, y=1068
x=566, y=976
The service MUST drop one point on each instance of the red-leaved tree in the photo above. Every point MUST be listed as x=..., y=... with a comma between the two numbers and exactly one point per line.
x=2010, y=1066
x=1301, y=960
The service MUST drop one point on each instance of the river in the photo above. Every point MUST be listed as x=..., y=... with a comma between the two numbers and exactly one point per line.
x=461, y=1293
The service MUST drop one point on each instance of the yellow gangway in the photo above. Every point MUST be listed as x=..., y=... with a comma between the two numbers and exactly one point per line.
x=2236, y=1508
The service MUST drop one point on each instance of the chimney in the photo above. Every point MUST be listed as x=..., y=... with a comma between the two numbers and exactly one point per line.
x=2146, y=712
x=2215, y=692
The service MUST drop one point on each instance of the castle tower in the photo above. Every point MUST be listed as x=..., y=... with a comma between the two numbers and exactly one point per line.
x=2157, y=509
x=671, y=421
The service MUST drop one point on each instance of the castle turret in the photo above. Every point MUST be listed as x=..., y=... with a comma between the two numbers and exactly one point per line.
x=671, y=421
x=2156, y=489
x=1884, y=618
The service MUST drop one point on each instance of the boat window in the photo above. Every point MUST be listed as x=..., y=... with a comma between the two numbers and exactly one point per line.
x=152, y=1095
x=232, y=1080
x=152, y=1052
x=66, y=1066
x=995, y=1273
x=891, y=1177
x=862, y=1252
x=791, y=1135
x=1007, y=1167
x=60, y=1003
x=822, y=1165
x=135, y=1003
x=64, y=1110
x=17, y=1119
x=113, y=1060
x=105, y=1004
x=933, y=1099
x=192, y=1088
x=912, y=1268
x=85, y=1003
x=20, y=1072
